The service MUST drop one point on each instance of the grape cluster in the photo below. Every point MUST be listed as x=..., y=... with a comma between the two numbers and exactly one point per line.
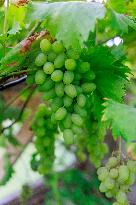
x=44, y=140
x=116, y=178
x=66, y=82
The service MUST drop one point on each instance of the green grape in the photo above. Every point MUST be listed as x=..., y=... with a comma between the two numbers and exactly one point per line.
x=41, y=59
x=84, y=67
x=53, y=121
x=73, y=54
x=48, y=68
x=109, y=194
x=77, y=130
x=40, y=77
x=67, y=121
x=70, y=90
x=57, y=76
x=88, y=87
x=124, y=188
x=81, y=156
x=70, y=64
x=102, y=188
x=45, y=45
x=51, y=56
x=90, y=75
x=57, y=47
x=80, y=111
x=56, y=104
x=49, y=94
x=67, y=101
x=112, y=162
x=78, y=89
x=113, y=173
x=81, y=100
x=131, y=165
x=61, y=113
x=101, y=170
x=68, y=77
x=59, y=61
x=68, y=136
x=59, y=89
x=121, y=198
x=77, y=76
x=131, y=179
x=77, y=120
x=48, y=85
x=123, y=174
x=30, y=80
x=109, y=183
x=116, y=203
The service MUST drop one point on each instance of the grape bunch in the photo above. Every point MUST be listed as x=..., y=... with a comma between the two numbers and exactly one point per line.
x=116, y=179
x=66, y=83
x=44, y=131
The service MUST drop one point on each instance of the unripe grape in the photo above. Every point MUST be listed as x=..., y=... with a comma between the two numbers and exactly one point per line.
x=59, y=61
x=68, y=136
x=61, y=113
x=57, y=76
x=109, y=183
x=45, y=45
x=77, y=130
x=50, y=94
x=56, y=104
x=109, y=194
x=51, y=56
x=67, y=122
x=72, y=53
x=53, y=120
x=77, y=120
x=88, y=87
x=131, y=165
x=41, y=59
x=116, y=203
x=101, y=170
x=112, y=162
x=48, y=68
x=121, y=197
x=67, y=101
x=59, y=89
x=40, y=77
x=102, y=188
x=84, y=67
x=57, y=47
x=82, y=112
x=90, y=75
x=48, y=84
x=81, y=100
x=70, y=64
x=131, y=179
x=70, y=90
x=123, y=174
x=30, y=79
x=68, y=77
x=113, y=173
x=103, y=175
x=124, y=188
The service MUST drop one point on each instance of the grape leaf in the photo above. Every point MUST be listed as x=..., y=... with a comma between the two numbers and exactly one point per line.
x=70, y=22
x=120, y=117
x=120, y=22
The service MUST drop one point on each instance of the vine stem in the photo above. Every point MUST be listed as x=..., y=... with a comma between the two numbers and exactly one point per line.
x=5, y=23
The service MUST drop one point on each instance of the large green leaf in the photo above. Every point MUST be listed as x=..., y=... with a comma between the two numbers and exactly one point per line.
x=70, y=22
x=122, y=119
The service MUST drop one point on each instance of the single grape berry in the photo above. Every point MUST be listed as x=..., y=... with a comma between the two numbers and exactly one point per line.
x=51, y=56
x=41, y=59
x=67, y=122
x=57, y=47
x=48, y=84
x=50, y=94
x=123, y=174
x=113, y=173
x=109, y=194
x=90, y=75
x=68, y=136
x=77, y=130
x=102, y=188
x=67, y=101
x=59, y=89
x=81, y=100
x=57, y=76
x=45, y=45
x=81, y=111
x=56, y=104
x=88, y=87
x=109, y=183
x=59, y=61
x=84, y=67
x=70, y=90
x=68, y=77
x=121, y=198
x=131, y=165
x=112, y=162
x=73, y=54
x=70, y=64
x=40, y=77
x=76, y=119
x=48, y=68
x=61, y=113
